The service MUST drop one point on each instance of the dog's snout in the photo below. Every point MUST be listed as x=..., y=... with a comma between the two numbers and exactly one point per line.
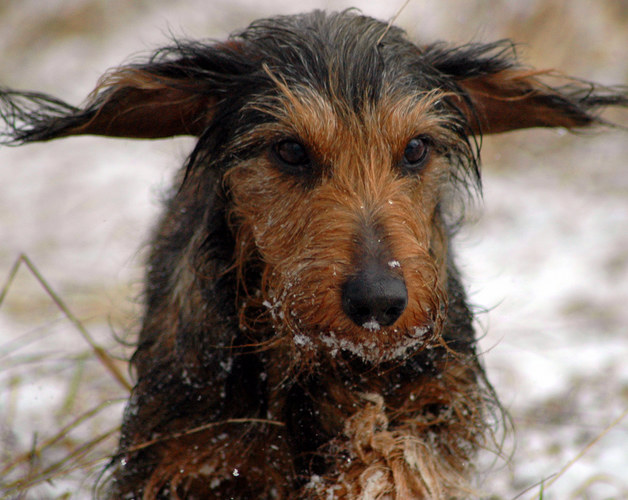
x=374, y=297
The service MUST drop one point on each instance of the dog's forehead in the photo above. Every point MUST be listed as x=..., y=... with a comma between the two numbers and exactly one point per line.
x=349, y=57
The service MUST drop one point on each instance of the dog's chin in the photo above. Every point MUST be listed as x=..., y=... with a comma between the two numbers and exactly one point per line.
x=371, y=347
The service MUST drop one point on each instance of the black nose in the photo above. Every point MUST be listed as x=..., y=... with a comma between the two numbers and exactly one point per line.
x=374, y=297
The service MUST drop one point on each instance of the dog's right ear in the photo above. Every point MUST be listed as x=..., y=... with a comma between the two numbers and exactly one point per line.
x=517, y=99
x=175, y=93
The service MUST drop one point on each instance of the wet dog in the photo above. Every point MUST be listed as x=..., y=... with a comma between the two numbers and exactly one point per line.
x=305, y=333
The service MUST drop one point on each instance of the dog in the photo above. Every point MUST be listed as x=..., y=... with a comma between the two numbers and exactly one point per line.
x=305, y=331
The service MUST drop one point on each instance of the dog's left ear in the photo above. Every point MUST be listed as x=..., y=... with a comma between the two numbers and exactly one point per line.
x=496, y=94
x=516, y=99
x=175, y=93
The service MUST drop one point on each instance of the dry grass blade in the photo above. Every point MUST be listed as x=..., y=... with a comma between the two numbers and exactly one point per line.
x=100, y=353
x=62, y=467
x=31, y=468
x=568, y=465
x=392, y=20
x=25, y=457
x=202, y=428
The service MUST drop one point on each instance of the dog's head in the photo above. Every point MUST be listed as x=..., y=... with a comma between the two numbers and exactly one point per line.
x=337, y=142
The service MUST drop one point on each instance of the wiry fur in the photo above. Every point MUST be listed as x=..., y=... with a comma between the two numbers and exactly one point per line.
x=252, y=382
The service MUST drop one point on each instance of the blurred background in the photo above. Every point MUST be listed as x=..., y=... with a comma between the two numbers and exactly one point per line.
x=545, y=257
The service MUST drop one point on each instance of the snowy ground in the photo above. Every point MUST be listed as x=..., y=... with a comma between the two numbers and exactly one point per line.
x=548, y=257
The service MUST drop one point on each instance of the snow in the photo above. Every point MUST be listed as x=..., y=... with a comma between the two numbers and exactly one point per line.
x=372, y=325
x=551, y=267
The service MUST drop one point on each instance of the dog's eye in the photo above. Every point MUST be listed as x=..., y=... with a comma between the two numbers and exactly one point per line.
x=416, y=154
x=292, y=154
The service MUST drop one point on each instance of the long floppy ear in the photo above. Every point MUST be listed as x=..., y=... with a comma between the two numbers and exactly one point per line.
x=498, y=95
x=517, y=99
x=173, y=94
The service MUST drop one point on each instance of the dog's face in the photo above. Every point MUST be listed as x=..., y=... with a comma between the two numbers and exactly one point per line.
x=342, y=208
x=342, y=166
